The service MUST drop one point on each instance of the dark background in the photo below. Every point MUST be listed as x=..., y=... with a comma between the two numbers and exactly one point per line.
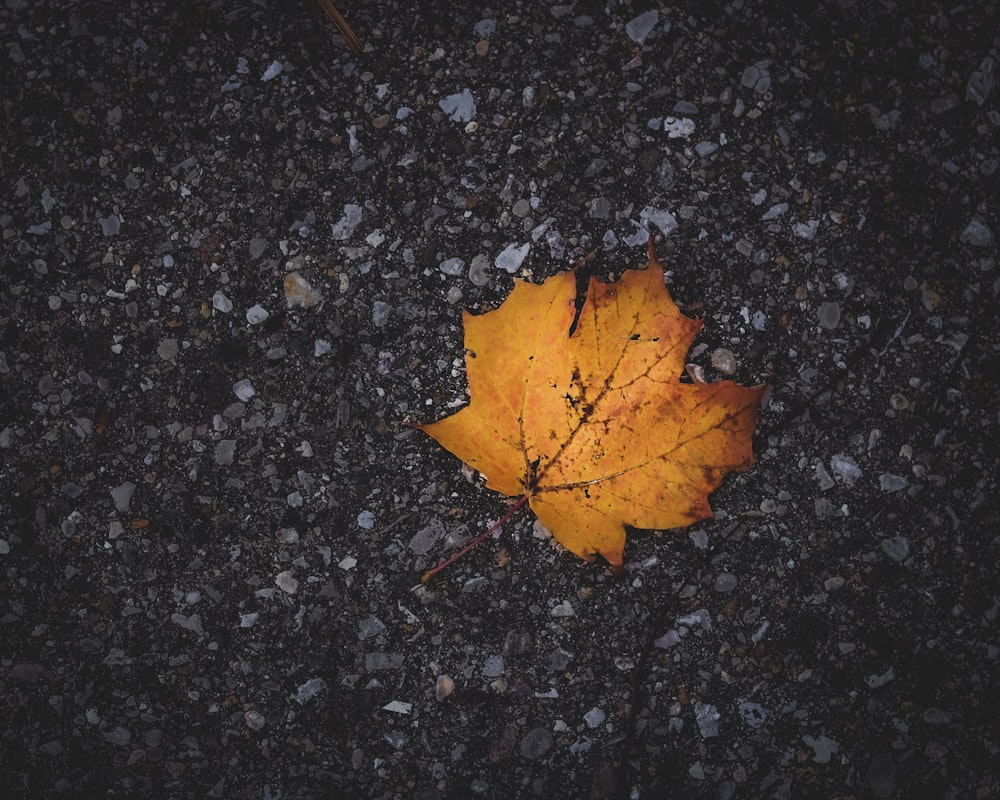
x=835, y=208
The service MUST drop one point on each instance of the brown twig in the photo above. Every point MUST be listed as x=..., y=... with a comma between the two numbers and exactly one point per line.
x=345, y=30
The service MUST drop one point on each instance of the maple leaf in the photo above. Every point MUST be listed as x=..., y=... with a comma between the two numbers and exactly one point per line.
x=586, y=416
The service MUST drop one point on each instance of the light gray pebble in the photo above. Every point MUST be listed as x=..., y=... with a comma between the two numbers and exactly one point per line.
x=122, y=496
x=244, y=389
x=380, y=313
x=287, y=582
x=595, y=717
x=493, y=668
x=225, y=451
x=707, y=716
x=638, y=28
x=452, y=266
x=512, y=257
x=705, y=149
x=256, y=314
x=845, y=468
x=308, y=690
x=111, y=226
x=427, y=538
x=369, y=626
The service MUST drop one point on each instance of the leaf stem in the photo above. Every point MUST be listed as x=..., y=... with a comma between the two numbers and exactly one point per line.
x=475, y=542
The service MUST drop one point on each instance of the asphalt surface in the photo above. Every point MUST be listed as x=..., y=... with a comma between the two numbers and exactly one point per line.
x=233, y=260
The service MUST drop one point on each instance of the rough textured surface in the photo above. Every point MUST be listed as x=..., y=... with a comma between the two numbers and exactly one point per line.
x=214, y=516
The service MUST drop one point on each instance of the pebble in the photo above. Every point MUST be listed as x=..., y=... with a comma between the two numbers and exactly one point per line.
x=775, y=211
x=977, y=234
x=897, y=548
x=724, y=361
x=980, y=84
x=222, y=303
x=122, y=496
x=638, y=28
x=299, y=292
x=521, y=208
x=493, y=667
x=369, y=626
x=707, y=716
x=757, y=77
x=167, y=349
x=563, y=610
x=452, y=266
x=344, y=227
x=273, y=71
x=225, y=452
x=663, y=220
x=823, y=748
x=512, y=257
x=725, y=582
x=536, y=743
x=892, y=483
x=460, y=107
x=845, y=468
x=443, y=687
x=678, y=127
x=806, y=230
x=478, y=270
x=752, y=714
x=192, y=623
x=308, y=690
x=829, y=315
x=705, y=149
x=257, y=248
x=119, y=736
x=111, y=226
x=287, y=582
x=594, y=718
x=825, y=481
x=426, y=538
x=254, y=720
x=256, y=314
x=378, y=661
x=380, y=313
x=244, y=389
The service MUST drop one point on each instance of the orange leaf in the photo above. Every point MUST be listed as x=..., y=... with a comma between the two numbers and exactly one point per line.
x=594, y=426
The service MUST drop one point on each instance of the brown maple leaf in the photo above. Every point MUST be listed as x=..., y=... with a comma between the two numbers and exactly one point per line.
x=590, y=423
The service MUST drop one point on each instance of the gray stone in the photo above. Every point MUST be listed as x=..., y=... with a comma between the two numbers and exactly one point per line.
x=536, y=743
x=122, y=496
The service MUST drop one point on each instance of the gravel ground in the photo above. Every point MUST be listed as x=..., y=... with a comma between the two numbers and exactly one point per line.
x=234, y=256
